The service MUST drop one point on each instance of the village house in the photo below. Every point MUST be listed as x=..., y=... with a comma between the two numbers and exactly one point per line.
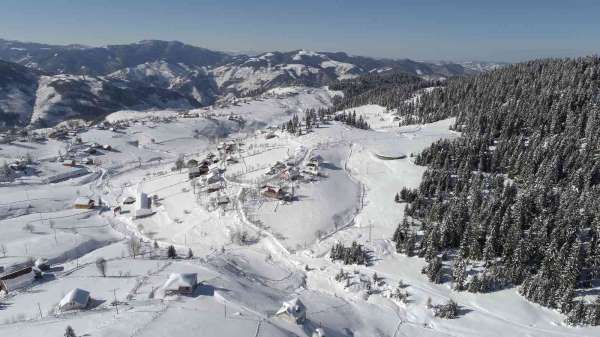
x=273, y=192
x=312, y=168
x=42, y=264
x=76, y=299
x=293, y=311
x=181, y=284
x=83, y=203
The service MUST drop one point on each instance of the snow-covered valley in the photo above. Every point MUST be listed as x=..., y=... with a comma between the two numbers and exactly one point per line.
x=257, y=229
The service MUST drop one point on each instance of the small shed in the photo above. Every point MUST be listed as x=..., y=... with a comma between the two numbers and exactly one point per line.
x=293, y=311
x=272, y=192
x=84, y=203
x=181, y=283
x=76, y=299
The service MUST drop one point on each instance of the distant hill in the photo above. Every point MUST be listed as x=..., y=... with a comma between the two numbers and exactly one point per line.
x=158, y=74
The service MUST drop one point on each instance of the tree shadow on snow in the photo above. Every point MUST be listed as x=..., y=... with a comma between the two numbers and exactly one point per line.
x=94, y=303
x=330, y=166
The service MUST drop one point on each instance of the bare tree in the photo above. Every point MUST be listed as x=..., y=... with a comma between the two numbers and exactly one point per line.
x=134, y=247
x=28, y=227
x=3, y=250
x=180, y=162
x=69, y=332
x=101, y=265
x=5, y=172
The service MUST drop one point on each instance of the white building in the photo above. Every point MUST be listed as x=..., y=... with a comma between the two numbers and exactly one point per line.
x=293, y=311
x=181, y=284
x=74, y=300
x=142, y=205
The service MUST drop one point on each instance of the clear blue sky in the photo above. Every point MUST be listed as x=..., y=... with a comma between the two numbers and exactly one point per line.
x=498, y=30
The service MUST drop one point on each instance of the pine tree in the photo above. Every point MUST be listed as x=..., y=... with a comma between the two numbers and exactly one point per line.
x=171, y=252
x=459, y=274
x=69, y=332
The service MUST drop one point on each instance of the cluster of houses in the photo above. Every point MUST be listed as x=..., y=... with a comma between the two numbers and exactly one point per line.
x=293, y=311
x=79, y=152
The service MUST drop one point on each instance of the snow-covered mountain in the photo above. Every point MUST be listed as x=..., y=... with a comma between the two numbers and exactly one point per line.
x=29, y=96
x=77, y=59
x=17, y=93
x=159, y=74
x=62, y=97
x=189, y=80
x=246, y=75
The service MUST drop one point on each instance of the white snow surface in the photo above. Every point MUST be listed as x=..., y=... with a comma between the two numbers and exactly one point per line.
x=242, y=282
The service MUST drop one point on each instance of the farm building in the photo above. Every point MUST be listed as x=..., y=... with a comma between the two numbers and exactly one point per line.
x=183, y=284
x=272, y=192
x=76, y=299
x=16, y=279
x=195, y=172
x=293, y=311
x=83, y=203
x=312, y=168
x=42, y=264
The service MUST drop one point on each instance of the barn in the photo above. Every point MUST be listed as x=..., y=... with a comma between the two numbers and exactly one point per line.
x=83, y=203
x=182, y=284
x=76, y=299
x=293, y=311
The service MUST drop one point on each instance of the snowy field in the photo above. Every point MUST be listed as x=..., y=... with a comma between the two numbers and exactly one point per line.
x=251, y=252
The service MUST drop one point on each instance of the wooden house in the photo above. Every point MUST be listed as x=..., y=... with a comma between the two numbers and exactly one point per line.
x=182, y=284
x=83, y=203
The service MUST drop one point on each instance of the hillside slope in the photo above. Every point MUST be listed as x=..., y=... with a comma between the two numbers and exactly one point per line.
x=515, y=201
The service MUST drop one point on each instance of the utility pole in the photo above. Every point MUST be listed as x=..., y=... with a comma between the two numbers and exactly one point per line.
x=116, y=302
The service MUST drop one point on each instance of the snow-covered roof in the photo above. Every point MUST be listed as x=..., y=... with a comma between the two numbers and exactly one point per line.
x=77, y=297
x=177, y=281
x=293, y=307
x=40, y=262
x=82, y=201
